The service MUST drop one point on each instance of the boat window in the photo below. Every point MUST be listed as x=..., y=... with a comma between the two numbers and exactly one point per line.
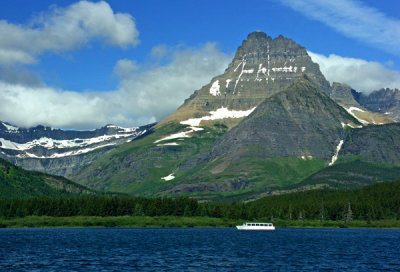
x=257, y=224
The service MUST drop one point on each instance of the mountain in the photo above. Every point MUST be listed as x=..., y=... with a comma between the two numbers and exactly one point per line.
x=61, y=152
x=16, y=182
x=267, y=124
x=262, y=66
x=368, y=155
x=385, y=101
x=299, y=121
x=374, y=144
x=348, y=98
x=298, y=126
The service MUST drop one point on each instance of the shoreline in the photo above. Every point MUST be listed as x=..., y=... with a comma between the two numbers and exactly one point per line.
x=175, y=221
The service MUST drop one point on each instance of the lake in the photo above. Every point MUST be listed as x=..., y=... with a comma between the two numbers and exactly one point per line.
x=198, y=249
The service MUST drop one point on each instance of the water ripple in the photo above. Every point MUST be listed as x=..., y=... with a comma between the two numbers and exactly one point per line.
x=197, y=249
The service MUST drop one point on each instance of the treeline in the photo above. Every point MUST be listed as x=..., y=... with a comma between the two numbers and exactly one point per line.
x=106, y=206
x=375, y=202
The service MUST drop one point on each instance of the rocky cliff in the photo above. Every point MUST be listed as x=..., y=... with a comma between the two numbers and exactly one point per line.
x=262, y=66
x=385, y=101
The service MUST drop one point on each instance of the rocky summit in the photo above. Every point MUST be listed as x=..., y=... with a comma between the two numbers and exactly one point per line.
x=262, y=66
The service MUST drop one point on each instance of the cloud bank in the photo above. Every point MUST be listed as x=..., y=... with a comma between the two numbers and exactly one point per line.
x=353, y=19
x=145, y=94
x=63, y=29
x=361, y=75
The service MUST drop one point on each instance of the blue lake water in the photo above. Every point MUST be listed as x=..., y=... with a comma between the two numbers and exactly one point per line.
x=198, y=249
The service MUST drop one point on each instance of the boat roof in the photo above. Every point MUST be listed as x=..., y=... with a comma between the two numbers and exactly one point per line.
x=258, y=223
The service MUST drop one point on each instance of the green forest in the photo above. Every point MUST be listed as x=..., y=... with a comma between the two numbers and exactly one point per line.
x=375, y=202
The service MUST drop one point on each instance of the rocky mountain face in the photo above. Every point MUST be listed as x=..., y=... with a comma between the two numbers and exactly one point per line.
x=300, y=121
x=349, y=99
x=301, y=125
x=262, y=66
x=344, y=95
x=374, y=144
x=385, y=101
x=59, y=151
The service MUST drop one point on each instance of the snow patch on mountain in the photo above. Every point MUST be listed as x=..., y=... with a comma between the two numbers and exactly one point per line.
x=214, y=90
x=335, y=156
x=49, y=143
x=168, y=144
x=64, y=154
x=220, y=113
x=10, y=128
x=169, y=177
x=350, y=111
x=349, y=125
x=122, y=129
x=182, y=134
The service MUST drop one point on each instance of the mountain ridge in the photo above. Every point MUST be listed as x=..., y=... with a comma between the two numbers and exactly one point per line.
x=16, y=182
x=60, y=152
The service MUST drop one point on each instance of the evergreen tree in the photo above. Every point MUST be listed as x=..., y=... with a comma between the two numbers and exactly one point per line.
x=322, y=212
x=187, y=212
x=349, y=214
x=138, y=210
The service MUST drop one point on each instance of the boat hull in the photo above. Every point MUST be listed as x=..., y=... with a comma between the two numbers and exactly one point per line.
x=255, y=227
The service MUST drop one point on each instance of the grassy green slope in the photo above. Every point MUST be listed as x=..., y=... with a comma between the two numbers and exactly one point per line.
x=137, y=167
x=244, y=179
x=16, y=182
x=350, y=172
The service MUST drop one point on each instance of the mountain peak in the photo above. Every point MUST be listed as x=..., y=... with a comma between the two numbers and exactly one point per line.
x=262, y=66
x=258, y=36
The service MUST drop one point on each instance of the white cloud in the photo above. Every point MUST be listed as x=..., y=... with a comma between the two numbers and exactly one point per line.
x=360, y=74
x=159, y=51
x=63, y=29
x=146, y=95
x=160, y=90
x=125, y=67
x=16, y=74
x=353, y=19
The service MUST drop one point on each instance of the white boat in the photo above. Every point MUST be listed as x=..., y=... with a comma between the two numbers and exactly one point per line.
x=256, y=226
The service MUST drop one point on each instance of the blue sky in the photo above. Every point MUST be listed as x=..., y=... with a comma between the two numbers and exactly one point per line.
x=78, y=64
